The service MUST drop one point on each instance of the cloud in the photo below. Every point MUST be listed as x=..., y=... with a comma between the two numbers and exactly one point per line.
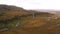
x=34, y=4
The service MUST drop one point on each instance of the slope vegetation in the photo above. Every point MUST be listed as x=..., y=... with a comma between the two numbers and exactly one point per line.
x=29, y=21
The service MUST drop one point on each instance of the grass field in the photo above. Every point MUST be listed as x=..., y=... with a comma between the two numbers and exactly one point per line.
x=39, y=24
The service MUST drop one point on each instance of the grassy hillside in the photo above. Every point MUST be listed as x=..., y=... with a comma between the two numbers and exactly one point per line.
x=11, y=13
x=30, y=21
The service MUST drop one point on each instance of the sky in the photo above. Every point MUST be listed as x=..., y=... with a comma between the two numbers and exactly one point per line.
x=34, y=4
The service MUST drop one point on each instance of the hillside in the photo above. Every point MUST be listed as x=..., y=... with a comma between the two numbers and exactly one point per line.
x=20, y=21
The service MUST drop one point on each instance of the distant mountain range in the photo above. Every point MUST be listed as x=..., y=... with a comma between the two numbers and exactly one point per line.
x=48, y=10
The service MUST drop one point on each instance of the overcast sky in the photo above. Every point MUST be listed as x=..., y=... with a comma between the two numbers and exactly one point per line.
x=34, y=4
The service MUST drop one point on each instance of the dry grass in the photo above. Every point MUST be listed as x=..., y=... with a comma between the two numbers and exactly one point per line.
x=34, y=25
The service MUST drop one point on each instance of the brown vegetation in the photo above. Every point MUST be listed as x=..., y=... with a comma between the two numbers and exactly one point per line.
x=36, y=25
